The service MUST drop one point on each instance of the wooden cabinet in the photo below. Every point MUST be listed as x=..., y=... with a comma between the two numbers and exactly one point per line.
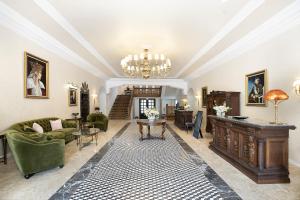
x=258, y=149
x=217, y=98
x=84, y=102
x=182, y=116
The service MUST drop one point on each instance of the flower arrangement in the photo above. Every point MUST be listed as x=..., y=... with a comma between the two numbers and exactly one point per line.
x=187, y=107
x=221, y=110
x=151, y=113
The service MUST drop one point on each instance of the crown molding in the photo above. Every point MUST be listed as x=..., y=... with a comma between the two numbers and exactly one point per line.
x=284, y=20
x=247, y=10
x=63, y=22
x=12, y=20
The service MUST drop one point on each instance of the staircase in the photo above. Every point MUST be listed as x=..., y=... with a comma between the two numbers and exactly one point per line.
x=121, y=108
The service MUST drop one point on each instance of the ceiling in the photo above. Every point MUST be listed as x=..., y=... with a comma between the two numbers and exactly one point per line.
x=189, y=32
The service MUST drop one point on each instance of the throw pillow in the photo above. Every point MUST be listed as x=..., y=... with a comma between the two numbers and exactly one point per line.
x=37, y=128
x=56, y=124
x=28, y=129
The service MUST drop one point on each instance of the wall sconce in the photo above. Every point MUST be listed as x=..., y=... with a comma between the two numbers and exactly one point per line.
x=296, y=86
x=94, y=98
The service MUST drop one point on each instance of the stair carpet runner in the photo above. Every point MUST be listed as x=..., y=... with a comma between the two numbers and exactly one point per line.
x=120, y=107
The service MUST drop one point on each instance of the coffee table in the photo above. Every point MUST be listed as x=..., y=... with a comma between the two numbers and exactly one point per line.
x=148, y=123
x=87, y=132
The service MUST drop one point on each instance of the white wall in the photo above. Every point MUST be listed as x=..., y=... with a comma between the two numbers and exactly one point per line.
x=14, y=107
x=281, y=58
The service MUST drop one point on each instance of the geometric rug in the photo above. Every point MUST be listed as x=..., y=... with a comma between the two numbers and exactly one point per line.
x=127, y=168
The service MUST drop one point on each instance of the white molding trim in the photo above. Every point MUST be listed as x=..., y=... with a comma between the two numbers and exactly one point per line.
x=12, y=20
x=176, y=83
x=284, y=20
x=63, y=22
x=247, y=10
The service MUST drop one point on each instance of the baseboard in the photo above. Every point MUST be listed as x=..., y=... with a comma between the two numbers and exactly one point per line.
x=294, y=162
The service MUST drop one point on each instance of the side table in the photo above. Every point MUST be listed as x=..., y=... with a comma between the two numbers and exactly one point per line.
x=4, y=144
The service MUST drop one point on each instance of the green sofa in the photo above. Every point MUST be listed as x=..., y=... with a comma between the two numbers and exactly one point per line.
x=36, y=152
x=98, y=120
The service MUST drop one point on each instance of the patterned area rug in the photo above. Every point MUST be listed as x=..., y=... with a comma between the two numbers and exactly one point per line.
x=127, y=168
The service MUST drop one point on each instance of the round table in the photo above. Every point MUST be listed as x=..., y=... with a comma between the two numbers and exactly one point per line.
x=87, y=132
x=148, y=123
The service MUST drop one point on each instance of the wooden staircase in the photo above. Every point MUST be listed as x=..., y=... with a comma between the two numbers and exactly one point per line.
x=121, y=108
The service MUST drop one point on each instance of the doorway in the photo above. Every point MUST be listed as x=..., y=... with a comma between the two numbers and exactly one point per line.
x=143, y=104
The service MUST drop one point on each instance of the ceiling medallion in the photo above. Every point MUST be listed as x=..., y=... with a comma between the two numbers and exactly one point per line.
x=146, y=65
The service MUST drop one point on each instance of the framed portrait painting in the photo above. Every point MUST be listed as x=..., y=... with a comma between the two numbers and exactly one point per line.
x=72, y=97
x=204, y=97
x=256, y=86
x=36, y=77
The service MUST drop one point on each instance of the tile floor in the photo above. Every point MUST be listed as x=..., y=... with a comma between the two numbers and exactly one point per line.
x=43, y=185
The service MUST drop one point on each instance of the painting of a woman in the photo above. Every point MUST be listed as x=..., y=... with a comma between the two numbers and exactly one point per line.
x=36, y=77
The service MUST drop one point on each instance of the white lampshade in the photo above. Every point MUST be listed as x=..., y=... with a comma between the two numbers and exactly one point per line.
x=156, y=57
x=149, y=56
x=136, y=57
x=162, y=57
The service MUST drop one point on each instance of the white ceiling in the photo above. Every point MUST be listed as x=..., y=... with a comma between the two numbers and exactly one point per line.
x=102, y=32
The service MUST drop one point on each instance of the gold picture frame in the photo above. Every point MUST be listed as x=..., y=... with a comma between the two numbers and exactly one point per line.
x=36, y=77
x=72, y=97
x=256, y=85
x=204, y=96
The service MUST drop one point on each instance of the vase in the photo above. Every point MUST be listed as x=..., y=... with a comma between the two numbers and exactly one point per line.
x=219, y=113
x=223, y=114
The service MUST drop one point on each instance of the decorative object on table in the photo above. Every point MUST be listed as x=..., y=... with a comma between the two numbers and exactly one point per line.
x=84, y=101
x=256, y=86
x=151, y=113
x=187, y=107
x=72, y=97
x=221, y=110
x=146, y=65
x=75, y=115
x=276, y=96
x=204, y=97
x=296, y=86
x=36, y=77
x=148, y=123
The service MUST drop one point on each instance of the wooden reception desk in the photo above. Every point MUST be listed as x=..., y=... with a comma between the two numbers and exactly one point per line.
x=182, y=116
x=257, y=148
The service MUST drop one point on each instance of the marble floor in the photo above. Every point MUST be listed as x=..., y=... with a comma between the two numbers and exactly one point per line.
x=44, y=185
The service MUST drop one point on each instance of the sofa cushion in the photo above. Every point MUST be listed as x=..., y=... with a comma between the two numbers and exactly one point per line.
x=56, y=134
x=38, y=128
x=56, y=124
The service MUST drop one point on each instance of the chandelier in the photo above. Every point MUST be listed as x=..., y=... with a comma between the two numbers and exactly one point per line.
x=146, y=65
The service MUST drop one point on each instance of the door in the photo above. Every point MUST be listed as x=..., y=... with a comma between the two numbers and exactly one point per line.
x=143, y=104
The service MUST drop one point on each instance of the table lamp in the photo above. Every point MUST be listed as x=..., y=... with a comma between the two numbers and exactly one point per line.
x=276, y=96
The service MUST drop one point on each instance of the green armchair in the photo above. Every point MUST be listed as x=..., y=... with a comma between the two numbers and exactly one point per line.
x=98, y=120
x=35, y=154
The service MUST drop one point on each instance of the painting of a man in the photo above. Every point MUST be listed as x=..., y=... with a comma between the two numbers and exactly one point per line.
x=255, y=88
x=36, y=77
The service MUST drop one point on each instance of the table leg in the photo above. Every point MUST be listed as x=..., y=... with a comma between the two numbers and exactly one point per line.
x=141, y=131
x=163, y=131
x=96, y=137
x=148, y=131
x=4, y=142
